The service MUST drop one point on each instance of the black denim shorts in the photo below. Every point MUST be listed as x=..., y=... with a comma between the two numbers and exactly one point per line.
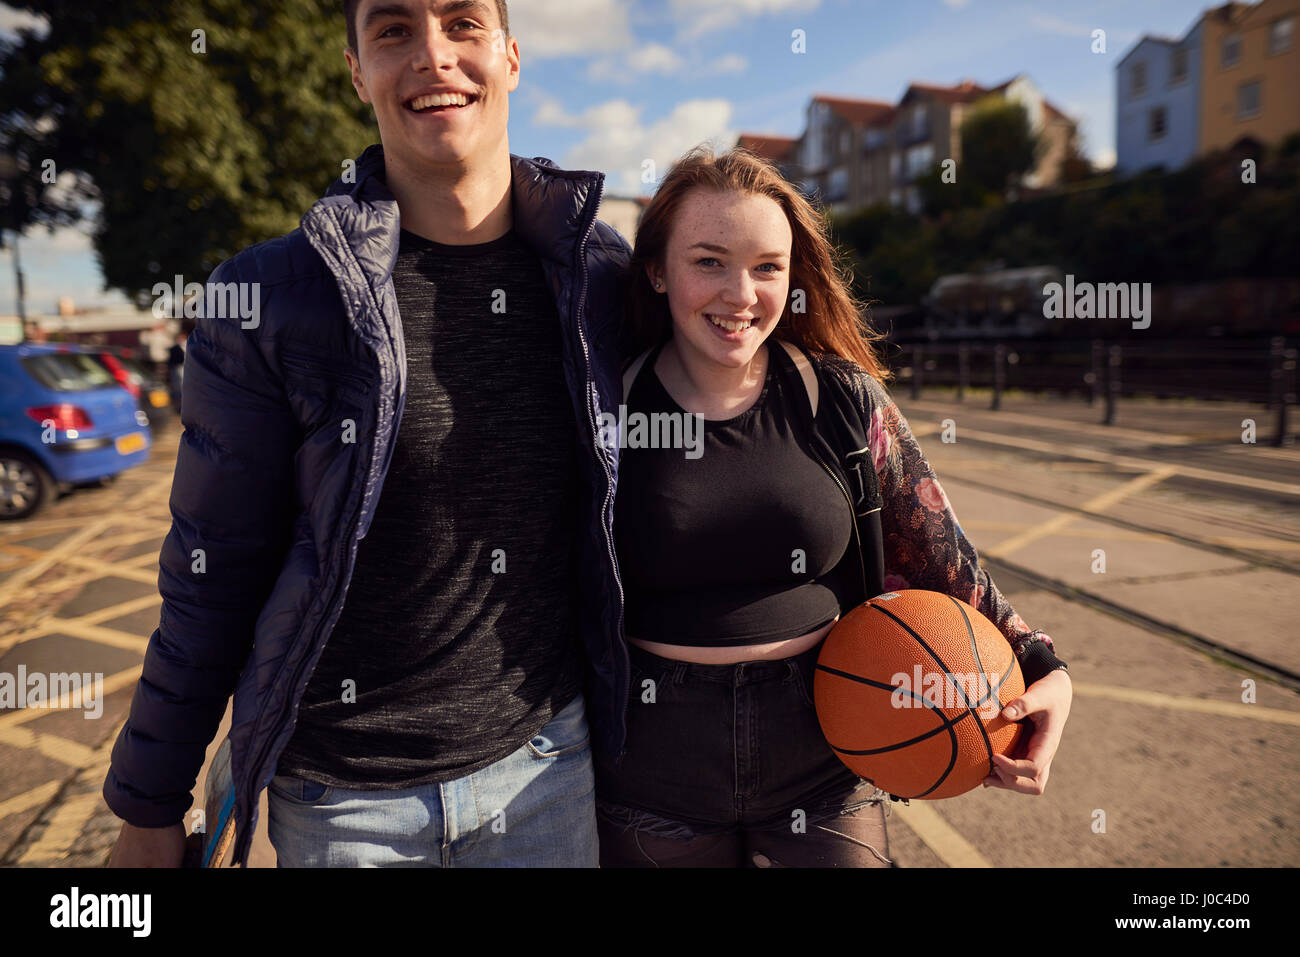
x=726, y=764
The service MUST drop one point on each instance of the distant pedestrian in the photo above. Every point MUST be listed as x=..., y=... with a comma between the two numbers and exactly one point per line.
x=176, y=370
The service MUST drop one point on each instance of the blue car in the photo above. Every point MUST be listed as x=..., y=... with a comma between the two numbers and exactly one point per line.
x=64, y=421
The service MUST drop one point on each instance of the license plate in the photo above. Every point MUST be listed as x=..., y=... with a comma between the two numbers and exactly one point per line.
x=158, y=398
x=126, y=444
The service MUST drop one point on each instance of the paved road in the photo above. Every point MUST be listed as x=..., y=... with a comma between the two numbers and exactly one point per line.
x=1163, y=762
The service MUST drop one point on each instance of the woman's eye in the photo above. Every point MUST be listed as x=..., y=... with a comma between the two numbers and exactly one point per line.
x=705, y=261
x=775, y=268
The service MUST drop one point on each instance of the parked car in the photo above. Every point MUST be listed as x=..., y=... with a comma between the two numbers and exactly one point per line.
x=134, y=376
x=64, y=421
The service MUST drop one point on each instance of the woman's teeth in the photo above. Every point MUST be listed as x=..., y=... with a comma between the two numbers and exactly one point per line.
x=729, y=325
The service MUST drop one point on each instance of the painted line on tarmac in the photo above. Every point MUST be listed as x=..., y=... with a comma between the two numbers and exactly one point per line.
x=1131, y=463
x=1141, y=435
x=72, y=815
x=1215, y=649
x=1156, y=699
x=1096, y=505
x=37, y=796
x=78, y=540
x=939, y=836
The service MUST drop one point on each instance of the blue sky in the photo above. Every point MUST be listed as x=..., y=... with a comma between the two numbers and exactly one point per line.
x=609, y=84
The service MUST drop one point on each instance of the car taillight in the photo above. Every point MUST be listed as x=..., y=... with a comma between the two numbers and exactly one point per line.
x=65, y=416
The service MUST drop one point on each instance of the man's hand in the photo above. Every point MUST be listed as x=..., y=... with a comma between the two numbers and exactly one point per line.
x=148, y=846
x=1047, y=705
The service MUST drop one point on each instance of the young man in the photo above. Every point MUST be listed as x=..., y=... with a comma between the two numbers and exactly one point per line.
x=392, y=507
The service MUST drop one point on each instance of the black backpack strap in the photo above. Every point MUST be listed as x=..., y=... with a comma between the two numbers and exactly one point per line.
x=806, y=373
x=634, y=370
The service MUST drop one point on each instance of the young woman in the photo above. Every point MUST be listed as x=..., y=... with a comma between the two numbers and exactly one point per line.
x=808, y=496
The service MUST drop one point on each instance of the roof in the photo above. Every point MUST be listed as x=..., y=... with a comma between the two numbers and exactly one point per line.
x=967, y=91
x=774, y=148
x=863, y=112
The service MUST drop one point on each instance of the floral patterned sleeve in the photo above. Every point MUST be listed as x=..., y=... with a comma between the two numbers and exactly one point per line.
x=924, y=544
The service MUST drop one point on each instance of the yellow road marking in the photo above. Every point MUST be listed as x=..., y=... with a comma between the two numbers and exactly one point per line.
x=71, y=816
x=1129, y=463
x=104, y=636
x=1155, y=438
x=1095, y=505
x=76, y=542
x=939, y=836
x=66, y=824
x=1118, y=534
x=103, y=569
x=52, y=746
x=29, y=799
x=1155, y=699
x=114, y=682
x=1263, y=544
x=121, y=608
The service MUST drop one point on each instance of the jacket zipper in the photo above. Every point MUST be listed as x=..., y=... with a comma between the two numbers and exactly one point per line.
x=609, y=475
x=348, y=541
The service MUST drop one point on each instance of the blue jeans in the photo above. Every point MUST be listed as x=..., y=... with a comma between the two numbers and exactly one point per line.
x=533, y=808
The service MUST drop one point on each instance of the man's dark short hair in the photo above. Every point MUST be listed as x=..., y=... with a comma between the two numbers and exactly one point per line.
x=350, y=13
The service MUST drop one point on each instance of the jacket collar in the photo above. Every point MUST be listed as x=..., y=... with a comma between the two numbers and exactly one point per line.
x=551, y=210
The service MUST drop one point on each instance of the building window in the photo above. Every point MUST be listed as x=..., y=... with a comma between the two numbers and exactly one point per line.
x=1178, y=66
x=919, y=159
x=1157, y=124
x=838, y=189
x=846, y=142
x=895, y=165
x=1279, y=34
x=919, y=125
x=874, y=138
x=1138, y=81
x=1248, y=100
x=1231, y=50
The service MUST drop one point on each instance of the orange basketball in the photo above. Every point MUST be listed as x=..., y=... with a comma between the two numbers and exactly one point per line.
x=909, y=691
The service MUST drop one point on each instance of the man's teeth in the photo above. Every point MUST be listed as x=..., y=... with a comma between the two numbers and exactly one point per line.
x=439, y=99
x=729, y=325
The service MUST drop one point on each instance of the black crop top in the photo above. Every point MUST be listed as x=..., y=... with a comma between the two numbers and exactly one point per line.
x=741, y=543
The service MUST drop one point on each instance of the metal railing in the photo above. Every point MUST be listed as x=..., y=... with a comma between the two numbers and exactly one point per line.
x=1234, y=370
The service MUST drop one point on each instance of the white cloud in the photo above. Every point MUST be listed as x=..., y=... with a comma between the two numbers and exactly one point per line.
x=1104, y=158
x=11, y=21
x=618, y=142
x=1116, y=39
x=731, y=63
x=547, y=28
x=657, y=59
x=697, y=17
x=651, y=58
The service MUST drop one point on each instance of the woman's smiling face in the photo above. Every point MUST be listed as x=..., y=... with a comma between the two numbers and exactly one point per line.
x=726, y=274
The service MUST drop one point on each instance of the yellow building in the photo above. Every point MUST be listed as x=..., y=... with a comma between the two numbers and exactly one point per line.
x=1250, y=74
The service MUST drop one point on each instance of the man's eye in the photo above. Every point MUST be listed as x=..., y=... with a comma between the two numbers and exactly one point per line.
x=465, y=23
x=388, y=31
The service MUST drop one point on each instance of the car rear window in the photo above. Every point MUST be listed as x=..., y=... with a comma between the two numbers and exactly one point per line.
x=67, y=371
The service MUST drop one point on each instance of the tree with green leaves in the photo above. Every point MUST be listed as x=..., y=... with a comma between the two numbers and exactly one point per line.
x=187, y=129
x=998, y=145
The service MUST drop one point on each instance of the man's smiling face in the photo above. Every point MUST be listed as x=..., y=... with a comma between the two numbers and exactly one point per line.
x=438, y=74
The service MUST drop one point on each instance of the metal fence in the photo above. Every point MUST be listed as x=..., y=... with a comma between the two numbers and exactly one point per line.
x=1256, y=371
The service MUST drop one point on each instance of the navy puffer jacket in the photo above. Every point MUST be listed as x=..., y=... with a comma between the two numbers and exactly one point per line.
x=270, y=496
